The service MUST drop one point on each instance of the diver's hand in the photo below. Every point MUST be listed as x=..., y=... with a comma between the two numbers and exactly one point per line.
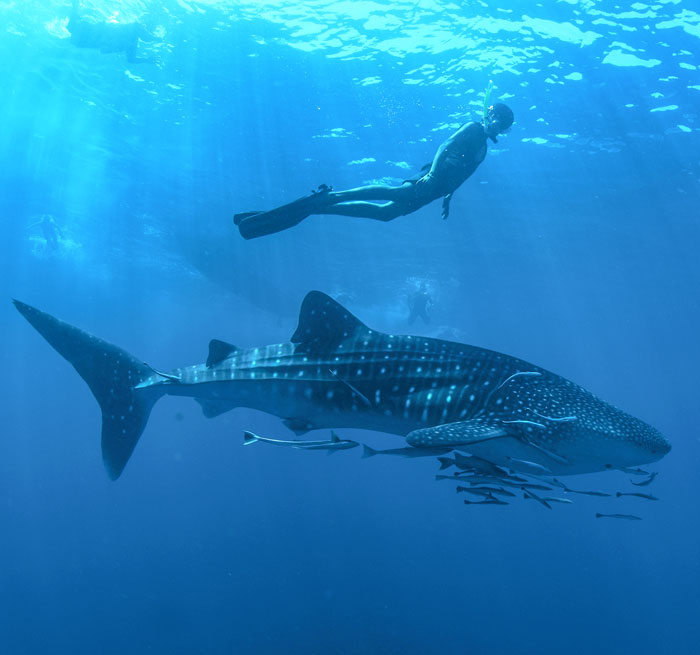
x=446, y=206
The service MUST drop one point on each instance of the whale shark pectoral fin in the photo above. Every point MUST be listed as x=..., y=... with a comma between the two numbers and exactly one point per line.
x=461, y=433
x=212, y=408
x=219, y=351
x=298, y=426
x=323, y=324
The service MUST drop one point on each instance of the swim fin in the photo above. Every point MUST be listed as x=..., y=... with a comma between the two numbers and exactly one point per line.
x=257, y=224
x=238, y=218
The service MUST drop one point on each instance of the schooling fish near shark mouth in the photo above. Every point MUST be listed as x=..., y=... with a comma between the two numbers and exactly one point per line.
x=336, y=372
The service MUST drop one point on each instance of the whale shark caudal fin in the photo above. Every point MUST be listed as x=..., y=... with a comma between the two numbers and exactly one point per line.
x=112, y=375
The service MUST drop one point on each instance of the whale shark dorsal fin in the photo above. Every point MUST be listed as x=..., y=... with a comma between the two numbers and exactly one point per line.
x=219, y=351
x=323, y=323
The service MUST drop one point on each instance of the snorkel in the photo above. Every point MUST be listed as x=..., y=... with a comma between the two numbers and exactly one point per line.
x=487, y=102
x=486, y=118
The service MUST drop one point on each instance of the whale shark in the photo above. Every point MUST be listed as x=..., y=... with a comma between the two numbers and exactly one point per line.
x=336, y=372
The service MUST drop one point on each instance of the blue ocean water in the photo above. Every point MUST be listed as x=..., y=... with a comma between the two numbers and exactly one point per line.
x=573, y=246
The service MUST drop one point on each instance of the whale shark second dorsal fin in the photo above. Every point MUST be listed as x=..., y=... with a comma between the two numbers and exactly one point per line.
x=323, y=323
x=219, y=351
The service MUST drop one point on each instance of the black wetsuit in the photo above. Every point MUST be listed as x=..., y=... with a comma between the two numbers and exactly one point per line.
x=51, y=231
x=456, y=159
x=418, y=305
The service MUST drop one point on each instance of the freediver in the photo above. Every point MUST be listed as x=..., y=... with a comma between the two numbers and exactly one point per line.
x=455, y=161
x=50, y=229
x=419, y=304
x=108, y=38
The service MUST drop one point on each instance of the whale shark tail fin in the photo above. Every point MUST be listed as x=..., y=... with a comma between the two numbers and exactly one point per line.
x=113, y=376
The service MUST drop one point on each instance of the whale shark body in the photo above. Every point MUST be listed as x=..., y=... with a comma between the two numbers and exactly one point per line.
x=336, y=372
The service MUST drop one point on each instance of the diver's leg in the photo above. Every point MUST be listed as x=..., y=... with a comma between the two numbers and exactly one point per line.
x=387, y=211
x=372, y=192
x=353, y=202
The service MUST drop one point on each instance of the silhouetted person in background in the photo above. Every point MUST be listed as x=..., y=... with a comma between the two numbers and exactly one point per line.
x=456, y=159
x=50, y=229
x=107, y=37
x=419, y=304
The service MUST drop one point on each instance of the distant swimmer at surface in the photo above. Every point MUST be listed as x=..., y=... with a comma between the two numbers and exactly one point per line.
x=455, y=161
x=107, y=37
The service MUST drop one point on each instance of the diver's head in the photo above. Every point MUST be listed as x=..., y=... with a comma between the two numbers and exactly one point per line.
x=499, y=118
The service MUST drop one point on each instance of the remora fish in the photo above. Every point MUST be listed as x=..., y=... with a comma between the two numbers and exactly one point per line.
x=337, y=372
x=533, y=496
x=494, y=501
x=619, y=494
x=600, y=494
x=485, y=490
x=629, y=517
x=475, y=491
x=537, y=468
x=549, y=499
x=410, y=451
x=331, y=445
x=482, y=479
x=474, y=463
x=644, y=483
